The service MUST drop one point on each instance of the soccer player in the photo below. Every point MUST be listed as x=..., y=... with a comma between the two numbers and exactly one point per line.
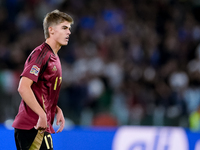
x=39, y=87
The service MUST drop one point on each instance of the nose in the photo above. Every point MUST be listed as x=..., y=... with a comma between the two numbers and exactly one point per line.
x=69, y=32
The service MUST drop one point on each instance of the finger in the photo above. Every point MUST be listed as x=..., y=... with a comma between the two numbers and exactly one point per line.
x=40, y=128
x=60, y=128
x=41, y=131
x=57, y=122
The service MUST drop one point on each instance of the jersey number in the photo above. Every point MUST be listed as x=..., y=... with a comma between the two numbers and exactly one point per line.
x=49, y=145
x=56, y=82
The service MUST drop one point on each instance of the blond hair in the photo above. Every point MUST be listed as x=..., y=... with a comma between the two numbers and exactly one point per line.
x=54, y=18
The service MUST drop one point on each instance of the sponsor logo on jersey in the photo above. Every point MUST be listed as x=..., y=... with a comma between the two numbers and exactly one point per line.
x=54, y=68
x=35, y=70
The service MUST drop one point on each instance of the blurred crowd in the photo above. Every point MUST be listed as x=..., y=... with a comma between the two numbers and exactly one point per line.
x=128, y=62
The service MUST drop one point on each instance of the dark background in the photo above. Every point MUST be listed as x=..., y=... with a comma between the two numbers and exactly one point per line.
x=128, y=62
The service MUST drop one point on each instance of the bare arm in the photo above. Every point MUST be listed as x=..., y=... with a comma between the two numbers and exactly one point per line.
x=28, y=96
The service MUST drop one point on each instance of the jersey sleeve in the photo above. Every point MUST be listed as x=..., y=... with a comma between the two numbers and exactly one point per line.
x=33, y=65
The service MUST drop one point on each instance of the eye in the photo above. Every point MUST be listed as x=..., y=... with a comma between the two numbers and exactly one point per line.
x=64, y=28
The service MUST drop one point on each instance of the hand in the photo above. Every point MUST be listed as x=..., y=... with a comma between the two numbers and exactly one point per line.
x=60, y=120
x=41, y=124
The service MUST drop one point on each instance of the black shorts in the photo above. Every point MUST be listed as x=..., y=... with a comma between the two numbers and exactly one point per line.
x=33, y=140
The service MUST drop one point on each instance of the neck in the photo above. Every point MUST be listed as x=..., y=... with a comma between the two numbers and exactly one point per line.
x=54, y=46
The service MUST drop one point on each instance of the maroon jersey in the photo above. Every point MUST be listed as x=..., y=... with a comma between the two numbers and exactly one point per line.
x=44, y=68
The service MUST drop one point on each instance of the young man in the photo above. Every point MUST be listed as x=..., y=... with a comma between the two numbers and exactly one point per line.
x=39, y=87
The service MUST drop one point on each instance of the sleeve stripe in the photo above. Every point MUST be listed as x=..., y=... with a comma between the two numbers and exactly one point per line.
x=41, y=56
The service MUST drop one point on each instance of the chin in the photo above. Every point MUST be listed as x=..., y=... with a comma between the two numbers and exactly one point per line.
x=63, y=44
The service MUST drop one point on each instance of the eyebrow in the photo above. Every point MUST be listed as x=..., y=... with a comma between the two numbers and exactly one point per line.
x=64, y=26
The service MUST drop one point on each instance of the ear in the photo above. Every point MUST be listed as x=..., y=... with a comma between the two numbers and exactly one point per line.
x=51, y=30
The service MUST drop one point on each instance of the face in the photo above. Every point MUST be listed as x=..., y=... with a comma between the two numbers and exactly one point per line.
x=60, y=33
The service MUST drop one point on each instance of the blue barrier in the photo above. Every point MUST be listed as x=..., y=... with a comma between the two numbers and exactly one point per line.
x=122, y=138
x=84, y=139
x=6, y=139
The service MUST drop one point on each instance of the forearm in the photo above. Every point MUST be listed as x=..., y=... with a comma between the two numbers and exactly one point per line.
x=29, y=98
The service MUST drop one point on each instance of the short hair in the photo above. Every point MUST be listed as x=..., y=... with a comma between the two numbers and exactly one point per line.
x=54, y=18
